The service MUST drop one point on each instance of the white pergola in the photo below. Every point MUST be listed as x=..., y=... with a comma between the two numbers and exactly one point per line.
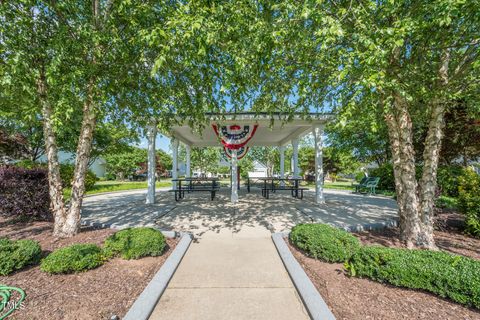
x=278, y=133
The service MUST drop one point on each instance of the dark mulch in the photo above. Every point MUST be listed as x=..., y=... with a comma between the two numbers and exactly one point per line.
x=449, y=236
x=96, y=294
x=355, y=298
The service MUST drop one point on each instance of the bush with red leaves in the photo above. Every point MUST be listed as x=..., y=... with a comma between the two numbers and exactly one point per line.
x=24, y=193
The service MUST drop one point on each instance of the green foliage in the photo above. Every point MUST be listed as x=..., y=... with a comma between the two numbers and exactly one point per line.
x=324, y=242
x=66, y=173
x=469, y=200
x=74, y=258
x=449, y=276
x=334, y=160
x=446, y=202
x=17, y=254
x=359, y=176
x=385, y=173
x=447, y=179
x=135, y=243
x=123, y=164
x=205, y=159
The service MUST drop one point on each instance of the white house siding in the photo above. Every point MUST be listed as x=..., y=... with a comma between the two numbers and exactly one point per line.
x=98, y=166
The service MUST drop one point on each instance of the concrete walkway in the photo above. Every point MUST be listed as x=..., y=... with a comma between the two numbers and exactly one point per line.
x=230, y=275
x=232, y=270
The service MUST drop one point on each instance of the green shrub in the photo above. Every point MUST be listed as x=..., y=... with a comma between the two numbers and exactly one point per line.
x=385, y=173
x=16, y=254
x=449, y=276
x=66, y=173
x=448, y=180
x=446, y=202
x=74, y=258
x=359, y=176
x=469, y=200
x=134, y=243
x=324, y=242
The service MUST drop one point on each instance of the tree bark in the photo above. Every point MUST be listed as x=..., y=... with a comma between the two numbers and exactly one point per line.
x=54, y=180
x=72, y=223
x=428, y=182
x=431, y=157
x=403, y=155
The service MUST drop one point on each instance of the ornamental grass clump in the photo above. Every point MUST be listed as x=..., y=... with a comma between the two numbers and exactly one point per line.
x=74, y=258
x=324, y=242
x=17, y=254
x=447, y=275
x=135, y=243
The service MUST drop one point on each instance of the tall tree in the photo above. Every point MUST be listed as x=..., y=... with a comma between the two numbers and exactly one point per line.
x=63, y=59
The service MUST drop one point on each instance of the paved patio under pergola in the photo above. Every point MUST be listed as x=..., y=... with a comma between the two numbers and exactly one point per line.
x=198, y=215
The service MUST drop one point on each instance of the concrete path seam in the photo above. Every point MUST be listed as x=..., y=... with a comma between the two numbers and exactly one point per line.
x=166, y=233
x=143, y=307
x=313, y=301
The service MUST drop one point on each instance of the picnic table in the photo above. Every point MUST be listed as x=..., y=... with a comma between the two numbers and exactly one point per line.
x=274, y=184
x=211, y=185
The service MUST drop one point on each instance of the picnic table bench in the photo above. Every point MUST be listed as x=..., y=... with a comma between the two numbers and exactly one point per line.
x=279, y=184
x=195, y=185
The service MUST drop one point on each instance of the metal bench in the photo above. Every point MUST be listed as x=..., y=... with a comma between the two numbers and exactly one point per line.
x=369, y=186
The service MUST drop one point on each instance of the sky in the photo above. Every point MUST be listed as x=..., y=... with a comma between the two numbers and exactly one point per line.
x=162, y=142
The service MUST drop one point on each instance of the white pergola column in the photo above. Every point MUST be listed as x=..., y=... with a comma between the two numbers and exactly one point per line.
x=174, y=161
x=281, y=150
x=296, y=170
x=151, y=137
x=188, y=172
x=234, y=193
x=317, y=134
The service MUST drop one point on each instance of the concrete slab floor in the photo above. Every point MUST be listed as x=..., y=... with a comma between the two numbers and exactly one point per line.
x=227, y=277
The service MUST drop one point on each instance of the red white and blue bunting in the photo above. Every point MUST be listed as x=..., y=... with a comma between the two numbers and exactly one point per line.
x=240, y=152
x=234, y=136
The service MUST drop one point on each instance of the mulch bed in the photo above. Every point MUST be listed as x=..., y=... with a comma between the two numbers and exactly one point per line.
x=355, y=298
x=96, y=294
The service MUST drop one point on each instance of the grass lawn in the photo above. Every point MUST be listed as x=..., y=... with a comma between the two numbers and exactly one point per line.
x=342, y=185
x=109, y=186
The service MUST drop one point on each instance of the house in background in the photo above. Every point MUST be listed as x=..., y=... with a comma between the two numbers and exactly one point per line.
x=99, y=166
x=259, y=170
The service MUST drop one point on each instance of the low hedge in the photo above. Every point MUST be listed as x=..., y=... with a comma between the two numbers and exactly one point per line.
x=449, y=276
x=134, y=243
x=74, y=258
x=324, y=242
x=17, y=254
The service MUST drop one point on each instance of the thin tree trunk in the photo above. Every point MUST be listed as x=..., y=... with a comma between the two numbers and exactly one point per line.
x=54, y=180
x=397, y=170
x=72, y=224
x=431, y=156
x=428, y=182
x=403, y=155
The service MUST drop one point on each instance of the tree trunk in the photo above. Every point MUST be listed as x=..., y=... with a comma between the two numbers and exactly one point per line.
x=403, y=155
x=72, y=224
x=431, y=156
x=54, y=180
x=428, y=182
